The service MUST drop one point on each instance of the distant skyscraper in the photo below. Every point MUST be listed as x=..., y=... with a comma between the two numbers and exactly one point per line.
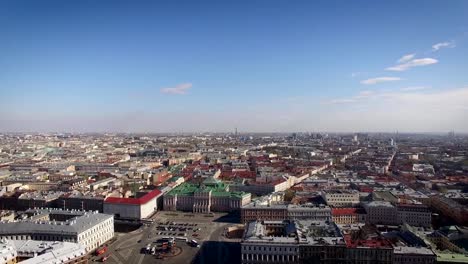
x=451, y=134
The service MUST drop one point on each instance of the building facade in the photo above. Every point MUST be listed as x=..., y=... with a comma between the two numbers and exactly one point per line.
x=341, y=198
x=348, y=215
x=381, y=213
x=279, y=212
x=414, y=214
x=300, y=241
x=210, y=196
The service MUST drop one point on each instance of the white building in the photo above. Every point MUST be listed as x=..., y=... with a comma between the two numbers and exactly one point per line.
x=8, y=252
x=258, y=247
x=132, y=208
x=44, y=252
x=90, y=229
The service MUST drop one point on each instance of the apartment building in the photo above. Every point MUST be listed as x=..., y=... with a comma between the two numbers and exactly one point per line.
x=414, y=214
x=282, y=211
x=381, y=213
x=348, y=215
x=341, y=198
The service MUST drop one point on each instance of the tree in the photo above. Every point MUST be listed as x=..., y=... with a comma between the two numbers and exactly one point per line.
x=289, y=195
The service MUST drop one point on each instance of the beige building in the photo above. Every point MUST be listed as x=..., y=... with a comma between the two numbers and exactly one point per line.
x=341, y=198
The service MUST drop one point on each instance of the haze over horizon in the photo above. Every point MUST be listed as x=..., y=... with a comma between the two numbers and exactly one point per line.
x=260, y=66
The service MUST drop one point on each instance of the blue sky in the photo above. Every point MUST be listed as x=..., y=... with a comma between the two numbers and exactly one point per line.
x=164, y=66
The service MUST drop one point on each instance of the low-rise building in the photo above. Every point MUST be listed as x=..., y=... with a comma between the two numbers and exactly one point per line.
x=411, y=255
x=132, y=208
x=368, y=250
x=450, y=208
x=297, y=241
x=414, y=214
x=45, y=252
x=108, y=182
x=341, y=198
x=348, y=215
x=78, y=201
x=283, y=211
x=90, y=229
x=37, y=199
x=210, y=196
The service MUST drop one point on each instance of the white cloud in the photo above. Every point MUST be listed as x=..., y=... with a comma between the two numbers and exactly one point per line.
x=447, y=44
x=343, y=101
x=380, y=80
x=179, y=89
x=355, y=99
x=406, y=58
x=416, y=96
x=413, y=63
x=355, y=74
x=413, y=88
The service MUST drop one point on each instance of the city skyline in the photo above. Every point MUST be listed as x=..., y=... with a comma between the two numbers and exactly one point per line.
x=260, y=66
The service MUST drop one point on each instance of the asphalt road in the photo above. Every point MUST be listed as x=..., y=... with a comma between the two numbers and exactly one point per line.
x=127, y=250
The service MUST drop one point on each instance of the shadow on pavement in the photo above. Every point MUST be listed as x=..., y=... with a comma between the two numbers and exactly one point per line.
x=218, y=252
x=233, y=217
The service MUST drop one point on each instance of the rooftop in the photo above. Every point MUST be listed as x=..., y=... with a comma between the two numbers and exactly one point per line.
x=48, y=252
x=217, y=188
x=79, y=221
x=134, y=201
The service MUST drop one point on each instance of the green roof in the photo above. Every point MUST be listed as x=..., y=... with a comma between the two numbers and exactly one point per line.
x=448, y=257
x=217, y=188
x=173, y=179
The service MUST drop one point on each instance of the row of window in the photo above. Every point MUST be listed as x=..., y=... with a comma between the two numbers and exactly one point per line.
x=271, y=249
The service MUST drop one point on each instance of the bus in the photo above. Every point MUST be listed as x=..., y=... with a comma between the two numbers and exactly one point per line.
x=101, y=250
x=181, y=239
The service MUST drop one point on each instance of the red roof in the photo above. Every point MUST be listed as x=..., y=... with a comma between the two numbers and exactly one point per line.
x=366, y=189
x=370, y=243
x=344, y=211
x=136, y=201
